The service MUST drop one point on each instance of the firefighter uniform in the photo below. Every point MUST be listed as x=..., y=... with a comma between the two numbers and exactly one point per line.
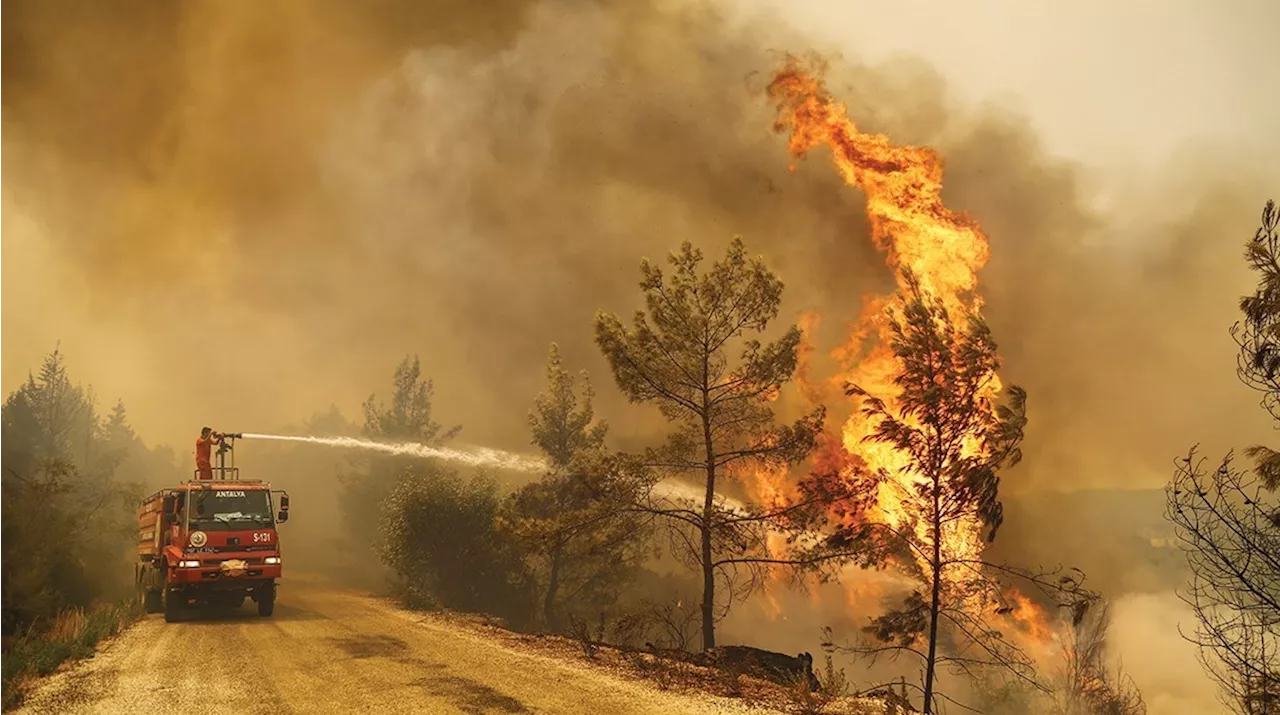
x=204, y=451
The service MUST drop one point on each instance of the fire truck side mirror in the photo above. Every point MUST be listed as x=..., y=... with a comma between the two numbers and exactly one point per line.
x=283, y=516
x=169, y=504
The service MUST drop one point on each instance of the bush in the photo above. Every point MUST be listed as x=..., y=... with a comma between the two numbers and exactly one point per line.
x=73, y=634
x=439, y=536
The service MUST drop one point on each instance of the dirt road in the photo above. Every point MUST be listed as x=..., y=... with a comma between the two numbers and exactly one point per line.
x=332, y=651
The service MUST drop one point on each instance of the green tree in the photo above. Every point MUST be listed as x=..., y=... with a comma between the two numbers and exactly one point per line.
x=121, y=451
x=575, y=524
x=68, y=521
x=62, y=413
x=407, y=418
x=677, y=355
x=561, y=421
x=117, y=437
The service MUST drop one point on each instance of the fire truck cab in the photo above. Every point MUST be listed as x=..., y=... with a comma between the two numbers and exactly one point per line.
x=210, y=543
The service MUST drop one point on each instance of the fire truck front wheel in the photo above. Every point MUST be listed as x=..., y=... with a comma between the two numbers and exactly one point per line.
x=266, y=598
x=173, y=603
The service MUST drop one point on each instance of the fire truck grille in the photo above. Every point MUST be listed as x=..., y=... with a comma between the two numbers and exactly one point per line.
x=219, y=562
x=214, y=575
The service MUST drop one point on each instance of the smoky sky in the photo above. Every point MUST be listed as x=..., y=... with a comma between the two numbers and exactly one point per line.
x=238, y=214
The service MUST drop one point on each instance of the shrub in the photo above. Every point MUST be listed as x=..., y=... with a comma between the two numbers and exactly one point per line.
x=439, y=536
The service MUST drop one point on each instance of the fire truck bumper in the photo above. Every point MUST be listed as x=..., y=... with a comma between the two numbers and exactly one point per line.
x=214, y=578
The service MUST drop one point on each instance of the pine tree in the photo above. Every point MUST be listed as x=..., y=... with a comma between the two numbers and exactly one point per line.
x=407, y=418
x=678, y=355
x=63, y=410
x=574, y=523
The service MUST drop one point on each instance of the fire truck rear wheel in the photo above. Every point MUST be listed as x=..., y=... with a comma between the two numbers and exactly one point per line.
x=152, y=601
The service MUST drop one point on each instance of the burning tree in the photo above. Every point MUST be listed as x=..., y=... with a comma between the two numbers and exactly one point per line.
x=677, y=355
x=1228, y=519
x=938, y=491
x=1085, y=683
x=930, y=438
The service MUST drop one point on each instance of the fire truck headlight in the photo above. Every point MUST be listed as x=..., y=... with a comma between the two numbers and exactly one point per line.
x=271, y=560
x=188, y=564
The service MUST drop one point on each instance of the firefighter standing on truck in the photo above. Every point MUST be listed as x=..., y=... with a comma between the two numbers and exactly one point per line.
x=204, y=449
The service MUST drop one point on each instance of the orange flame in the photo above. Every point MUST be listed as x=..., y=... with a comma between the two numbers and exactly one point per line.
x=944, y=250
x=814, y=392
x=772, y=608
x=769, y=487
x=766, y=485
x=1030, y=618
x=903, y=185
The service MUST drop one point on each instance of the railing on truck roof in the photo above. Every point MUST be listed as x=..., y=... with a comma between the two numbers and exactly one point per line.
x=220, y=474
x=223, y=472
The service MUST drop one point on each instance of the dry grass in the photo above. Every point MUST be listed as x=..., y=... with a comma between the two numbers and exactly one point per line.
x=668, y=672
x=73, y=634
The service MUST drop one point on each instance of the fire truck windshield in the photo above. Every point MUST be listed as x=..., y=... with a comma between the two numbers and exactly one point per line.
x=227, y=509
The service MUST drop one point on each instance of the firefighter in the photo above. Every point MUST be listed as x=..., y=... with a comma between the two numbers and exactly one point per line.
x=204, y=448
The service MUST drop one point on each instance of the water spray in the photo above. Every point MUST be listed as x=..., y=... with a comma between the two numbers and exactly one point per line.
x=482, y=457
x=475, y=457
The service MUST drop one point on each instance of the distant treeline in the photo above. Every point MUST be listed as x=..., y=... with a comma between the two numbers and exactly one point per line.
x=71, y=480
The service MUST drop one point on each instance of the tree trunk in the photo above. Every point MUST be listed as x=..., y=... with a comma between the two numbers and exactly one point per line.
x=708, y=568
x=553, y=585
x=931, y=663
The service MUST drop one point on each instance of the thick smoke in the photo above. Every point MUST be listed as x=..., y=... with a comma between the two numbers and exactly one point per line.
x=236, y=214
x=280, y=205
x=287, y=230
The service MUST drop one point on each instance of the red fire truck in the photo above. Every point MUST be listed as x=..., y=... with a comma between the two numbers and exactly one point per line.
x=210, y=542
